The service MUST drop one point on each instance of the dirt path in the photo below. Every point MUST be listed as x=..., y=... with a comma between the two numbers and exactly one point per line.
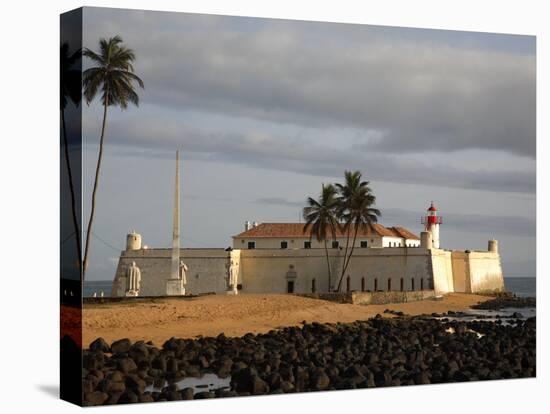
x=160, y=319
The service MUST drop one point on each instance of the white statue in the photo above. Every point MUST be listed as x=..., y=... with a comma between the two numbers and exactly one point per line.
x=232, y=277
x=133, y=280
x=183, y=272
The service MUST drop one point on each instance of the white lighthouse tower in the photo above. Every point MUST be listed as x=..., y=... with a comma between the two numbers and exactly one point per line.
x=431, y=223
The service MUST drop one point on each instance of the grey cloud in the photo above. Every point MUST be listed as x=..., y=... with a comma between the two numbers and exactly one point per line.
x=422, y=96
x=280, y=202
x=287, y=154
x=489, y=225
x=476, y=223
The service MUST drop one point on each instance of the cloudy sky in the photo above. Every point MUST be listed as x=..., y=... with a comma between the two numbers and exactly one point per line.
x=264, y=111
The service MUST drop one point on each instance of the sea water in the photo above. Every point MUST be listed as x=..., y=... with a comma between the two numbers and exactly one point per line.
x=521, y=286
x=208, y=382
x=97, y=286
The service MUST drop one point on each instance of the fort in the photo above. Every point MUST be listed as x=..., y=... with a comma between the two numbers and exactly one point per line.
x=282, y=258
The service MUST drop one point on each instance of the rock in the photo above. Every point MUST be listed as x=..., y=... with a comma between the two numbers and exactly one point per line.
x=135, y=383
x=319, y=380
x=126, y=365
x=287, y=386
x=146, y=397
x=100, y=345
x=187, y=394
x=121, y=346
x=259, y=386
x=422, y=378
x=95, y=398
x=204, y=394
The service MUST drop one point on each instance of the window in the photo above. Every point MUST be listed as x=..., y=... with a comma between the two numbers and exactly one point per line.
x=402, y=285
x=348, y=284
x=412, y=283
x=284, y=245
x=376, y=284
x=335, y=244
x=422, y=284
x=313, y=286
x=251, y=245
x=389, y=284
x=307, y=245
x=364, y=244
x=362, y=284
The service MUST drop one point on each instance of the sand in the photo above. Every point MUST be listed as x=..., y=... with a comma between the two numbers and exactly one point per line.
x=157, y=320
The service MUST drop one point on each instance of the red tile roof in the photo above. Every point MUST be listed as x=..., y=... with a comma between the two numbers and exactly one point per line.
x=296, y=230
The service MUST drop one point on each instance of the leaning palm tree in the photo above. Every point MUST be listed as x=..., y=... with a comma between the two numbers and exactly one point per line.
x=355, y=210
x=114, y=76
x=321, y=220
x=70, y=88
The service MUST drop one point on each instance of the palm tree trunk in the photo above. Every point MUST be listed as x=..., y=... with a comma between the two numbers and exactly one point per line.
x=343, y=264
x=352, y=248
x=328, y=265
x=96, y=181
x=71, y=187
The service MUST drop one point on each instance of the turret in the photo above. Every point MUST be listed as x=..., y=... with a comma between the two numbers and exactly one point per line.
x=493, y=246
x=431, y=223
x=133, y=241
x=426, y=240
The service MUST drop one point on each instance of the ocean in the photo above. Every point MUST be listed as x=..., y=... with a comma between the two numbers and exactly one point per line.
x=521, y=286
x=97, y=286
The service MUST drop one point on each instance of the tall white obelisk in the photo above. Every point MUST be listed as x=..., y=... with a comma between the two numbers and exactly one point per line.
x=174, y=285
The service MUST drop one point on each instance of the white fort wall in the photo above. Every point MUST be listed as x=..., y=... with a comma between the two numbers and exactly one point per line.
x=270, y=270
x=207, y=270
x=477, y=272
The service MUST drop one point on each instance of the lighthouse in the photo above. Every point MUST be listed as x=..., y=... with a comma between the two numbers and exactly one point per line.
x=431, y=223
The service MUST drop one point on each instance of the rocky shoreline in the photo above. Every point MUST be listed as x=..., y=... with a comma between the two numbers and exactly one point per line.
x=507, y=301
x=378, y=352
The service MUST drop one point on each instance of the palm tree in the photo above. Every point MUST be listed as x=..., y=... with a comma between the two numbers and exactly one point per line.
x=356, y=211
x=114, y=76
x=70, y=87
x=321, y=220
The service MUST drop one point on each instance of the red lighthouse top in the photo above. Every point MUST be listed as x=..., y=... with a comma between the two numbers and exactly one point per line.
x=432, y=217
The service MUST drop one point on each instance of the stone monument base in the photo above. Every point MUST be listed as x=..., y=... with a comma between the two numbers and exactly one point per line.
x=232, y=292
x=174, y=287
x=132, y=293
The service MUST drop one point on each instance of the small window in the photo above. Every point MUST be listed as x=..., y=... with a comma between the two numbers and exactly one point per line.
x=348, y=284
x=284, y=245
x=402, y=285
x=364, y=244
x=313, y=285
x=335, y=244
x=362, y=284
x=251, y=245
x=389, y=284
x=376, y=284
x=307, y=245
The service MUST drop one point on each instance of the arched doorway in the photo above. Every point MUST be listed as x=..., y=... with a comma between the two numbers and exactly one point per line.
x=422, y=283
x=389, y=284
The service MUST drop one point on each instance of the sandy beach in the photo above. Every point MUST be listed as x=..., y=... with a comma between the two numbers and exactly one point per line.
x=160, y=319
